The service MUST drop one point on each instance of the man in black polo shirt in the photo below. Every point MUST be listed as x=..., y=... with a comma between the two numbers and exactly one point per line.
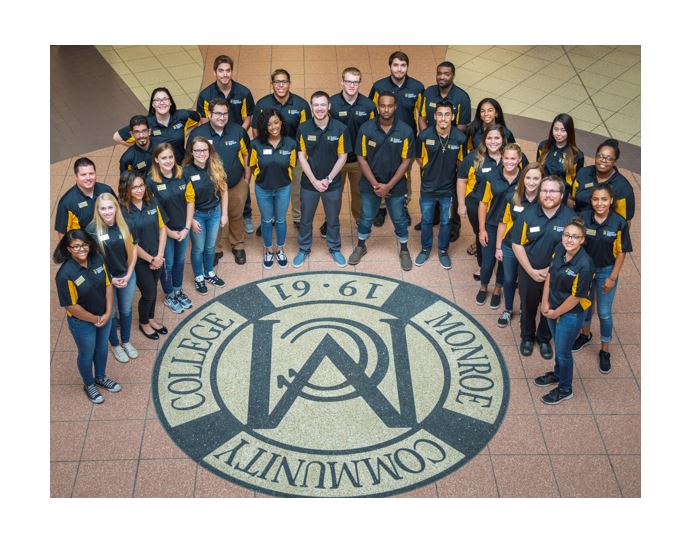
x=294, y=110
x=534, y=237
x=323, y=146
x=384, y=148
x=440, y=149
x=76, y=207
x=231, y=142
x=138, y=156
x=408, y=92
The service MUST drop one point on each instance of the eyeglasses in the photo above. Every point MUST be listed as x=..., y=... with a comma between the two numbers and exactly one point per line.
x=571, y=236
x=200, y=150
x=607, y=158
x=162, y=100
x=219, y=114
x=80, y=247
x=137, y=187
x=550, y=191
x=280, y=82
x=351, y=82
x=140, y=133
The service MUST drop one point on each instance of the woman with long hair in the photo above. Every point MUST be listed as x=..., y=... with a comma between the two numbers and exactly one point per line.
x=167, y=184
x=84, y=290
x=558, y=154
x=487, y=113
x=206, y=194
x=146, y=222
x=112, y=235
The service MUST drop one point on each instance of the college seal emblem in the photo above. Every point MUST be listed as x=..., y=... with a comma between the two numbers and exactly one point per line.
x=330, y=384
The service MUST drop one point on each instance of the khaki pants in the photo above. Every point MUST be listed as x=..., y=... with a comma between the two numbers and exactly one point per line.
x=236, y=228
x=295, y=193
x=351, y=172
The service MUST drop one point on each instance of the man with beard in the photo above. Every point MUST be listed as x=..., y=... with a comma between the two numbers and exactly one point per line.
x=138, y=156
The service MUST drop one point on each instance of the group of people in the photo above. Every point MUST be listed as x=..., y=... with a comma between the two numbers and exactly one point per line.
x=553, y=228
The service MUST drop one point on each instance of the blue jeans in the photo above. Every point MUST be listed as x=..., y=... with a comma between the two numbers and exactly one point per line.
x=122, y=304
x=489, y=259
x=370, y=207
x=603, y=303
x=510, y=265
x=427, y=205
x=204, y=242
x=273, y=206
x=92, y=348
x=171, y=276
x=565, y=330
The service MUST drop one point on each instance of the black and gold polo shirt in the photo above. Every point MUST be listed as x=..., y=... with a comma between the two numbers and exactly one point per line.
x=83, y=286
x=273, y=167
x=322, y=148
x=75, y=209
x=408, y=98
x=145, y=225
x=174, y=133
x=554, y=164
x=170, y=195
x=353, y=116
x=114, y=247
x=570, y=278
x=459, y=99
x=440, y=157
x=137, y=158
x=200, y=188
x=240, y=101
x=540, y=234
x=605, y=241
x=624, y=199
x=231, y=145
x=293, y=113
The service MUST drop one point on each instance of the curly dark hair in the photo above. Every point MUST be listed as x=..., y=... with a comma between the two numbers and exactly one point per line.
x=263, y=125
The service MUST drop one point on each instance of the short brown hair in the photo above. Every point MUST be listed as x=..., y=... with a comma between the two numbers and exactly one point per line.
x=223, y=59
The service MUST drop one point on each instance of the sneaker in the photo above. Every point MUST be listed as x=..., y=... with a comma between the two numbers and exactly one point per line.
x=380, y=217
x=605, y=364
x=495, y=301
x=120, y=354
x=268, y=259
x=338, y=258
x=444, y=260
x=249, y=226
x=422, y=257
x=581, y=341
x=404, y=258
x=504, y=319
x=299, y=259
x=183, y=299
x=200, y=286
x=556, y=396
x=93, y=394
x=281, y=258
x=172, y=303
x=215, y=280
x=107, y=383
x=481, y=297
x=357, y=255
x=546, y=379
x=130, y=350
x=322, y=230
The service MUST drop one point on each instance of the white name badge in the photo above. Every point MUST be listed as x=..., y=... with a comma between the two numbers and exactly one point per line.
x=343, y=113
x=79, y=280
x=156, y=132
x=141, y=165
x=104, y=237
x=518, y=209
x=195, y=178
x=83, y=204
x=590, y=232
x=161, y=186
x=487, y=169
x=534, y=229
x=267, y=152
x=312, y=138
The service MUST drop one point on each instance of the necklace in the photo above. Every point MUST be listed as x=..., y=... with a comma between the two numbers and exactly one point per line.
x=441, y=143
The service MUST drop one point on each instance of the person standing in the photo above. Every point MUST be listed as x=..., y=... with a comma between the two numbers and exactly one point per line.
x=384, y=148
x=440, y=149
x=558, y=154
x=323, y=146
x=138, y=156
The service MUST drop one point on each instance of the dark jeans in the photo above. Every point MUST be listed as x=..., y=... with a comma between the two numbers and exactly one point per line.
x=171, y=276
x=472, y=205
x=565, y=330
x=92, y=348
x=510, y=265
x=147, y=280
x=530, y=293
x=309, y=200
x=489, y=258
x=428, y=205
x=369, y=209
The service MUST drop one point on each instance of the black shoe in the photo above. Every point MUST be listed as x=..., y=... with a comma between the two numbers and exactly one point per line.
x=161, y=331
x=546, y=379
x=495, y=301
x=240, y=256
x=200, y=287
x=605, y=364
x=153, y=336
x=476, y=276
x=556, y=396
x=546, y=350
x=418, y=226
x=581, y=341
x=527, y=347
x=455, y=234
x=259, y=231
x=322, y=230
x=481, y=297
x=379, y=218
x=217, y=257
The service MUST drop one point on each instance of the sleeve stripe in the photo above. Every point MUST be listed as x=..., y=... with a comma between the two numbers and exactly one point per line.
x=74, y=296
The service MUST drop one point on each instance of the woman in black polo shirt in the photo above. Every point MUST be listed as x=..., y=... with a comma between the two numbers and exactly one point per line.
x=147, y=225
x=84, y=290
x=607, y=241
x=112, y=235
x=487, y=113
x=272, y=159
x=168, y=186
x=207, y=208
x=564, y=301
x=559, y=155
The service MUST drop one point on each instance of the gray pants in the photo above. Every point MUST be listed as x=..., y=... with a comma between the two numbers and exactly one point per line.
x=331, y=201
x=295, y=193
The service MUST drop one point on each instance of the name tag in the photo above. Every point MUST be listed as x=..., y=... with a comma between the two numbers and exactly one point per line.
x=79, y=280
x=156, y=132
x=534, y=229
x=590, y=232
x=312, y=138
x=371, y=143
x=104, y=237
x=161, y=186
x=141, y=165
x=588, y=185
x=433, y=105
x=267, y=151
x=518, y=209
x=343, y=113
x=83, y=204
x=486, y=169
x=430, y=142
x=195, y=178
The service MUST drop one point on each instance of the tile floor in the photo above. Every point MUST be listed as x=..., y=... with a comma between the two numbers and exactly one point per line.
x=587, y=447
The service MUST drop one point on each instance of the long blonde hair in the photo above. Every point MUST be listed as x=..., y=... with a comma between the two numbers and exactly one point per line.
x=102, y=227
x=214, y=165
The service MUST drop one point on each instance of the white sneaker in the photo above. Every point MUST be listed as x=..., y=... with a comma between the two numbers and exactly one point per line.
x=131, y=350
x=120, y=354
